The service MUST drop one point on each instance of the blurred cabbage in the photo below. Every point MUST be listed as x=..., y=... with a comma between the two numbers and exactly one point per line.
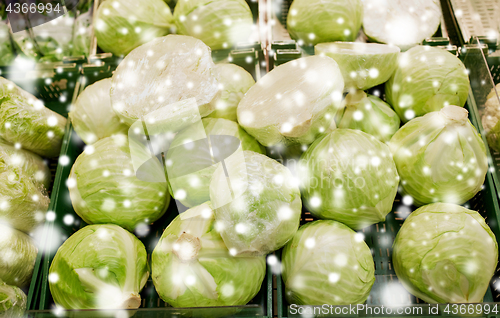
x=363, y=65
x=370, y=114
x=220, y=24
x=440, y=157
x=12, y=301
x=327, y=263
x=401, y=22
x=99, y=267
x=257, y=204
x=17, y=257
x=349, y=176
x=107, y=190
x=191, y=169
x=25, y=120
x=122, y=25
x=183, y=69
x=491, y=117
x=82, y=33
x=294, y=103
x=426, y=80
x=192, y=267
x=445, y=253
x=7, y=53
x=234, y=82
x=92, y=115
x=315, y=21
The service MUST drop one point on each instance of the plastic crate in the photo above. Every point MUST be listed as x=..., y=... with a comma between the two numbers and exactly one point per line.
x=379, y=237
x=40, y=302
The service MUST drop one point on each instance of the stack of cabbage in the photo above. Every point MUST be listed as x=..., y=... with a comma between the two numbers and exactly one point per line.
x=401, y=23
x=28, y=130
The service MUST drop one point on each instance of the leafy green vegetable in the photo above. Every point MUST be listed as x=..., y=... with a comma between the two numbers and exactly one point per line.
x=445, y=253
x=12, y=301
x=99, y=267
x=192, y=267
x=327, y=263
x=440, y=157
x=349, y=176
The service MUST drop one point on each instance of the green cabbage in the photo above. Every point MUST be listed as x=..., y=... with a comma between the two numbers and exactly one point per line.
x=491, y=117
x=99, y=267
x=294, y=103
x=445, y=253
x=426, y=80
x=32, y=165
x=25, y=120
x=315, y=21
x=183, y=69
x=440, y=157
x=235, y=81
x=257, y=205
x=18, y=254
x=192, y=172
x=349, y=176
x=54, y=39
x=122, y=25
x=363, y=65
x=82, y=34
x=92, y=115
x=191, y=266
x=327, y=263
x=370, y=114
x=12, y=301
x=106, y=189
x=220, y=24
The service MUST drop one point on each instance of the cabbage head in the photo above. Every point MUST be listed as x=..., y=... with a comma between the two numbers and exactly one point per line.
x=370, y=114
x=32, y=165
x=350, y=177
x=234, y=82
x=445, y=253
x=294, y=103
x=426, y=80
x=92, y=115
x=18, y=254
x=315, y=21
x=99, y=267
x=12, y=301
x=122, y=25
x=491, y=117
x=183, y=69
x=192, y=267
x=105, y=188
x=327, y=263
x=26, y=121
x=258, y=210
x=220, y=24
x=191, y=171
x=440, y=157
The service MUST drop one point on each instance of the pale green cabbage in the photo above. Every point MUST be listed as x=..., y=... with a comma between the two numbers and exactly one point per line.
x=17, y=257
x=82, y=34
x=25, y=120
x=445, y=253
x=99, y=267
x=349, y=176
x=92, y=115
x=315, y=21
x=191, y=171
x=370, y=114
x=327, y=263
x=257, y=206
x=183, y=69
x=106, y=189
x=12, y=301
x=122, y=25
x=294, y=103
x=220, y=24
x=363, y=65
x=440, y=157
x=426, y=80
x=235, y=81
x=491, y=117
x=192, y=267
